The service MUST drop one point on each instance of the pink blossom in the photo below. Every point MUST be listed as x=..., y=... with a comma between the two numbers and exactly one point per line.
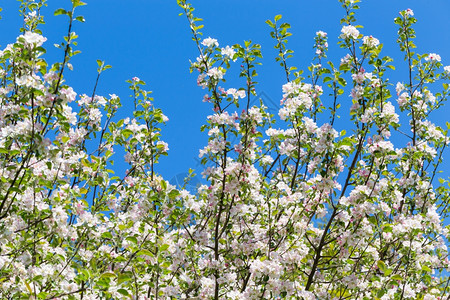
x=210, y=42
x=349, y=31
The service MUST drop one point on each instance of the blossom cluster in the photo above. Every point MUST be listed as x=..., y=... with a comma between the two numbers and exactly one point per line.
x=289, y=208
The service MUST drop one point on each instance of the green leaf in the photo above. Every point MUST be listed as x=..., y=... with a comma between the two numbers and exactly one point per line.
x=173, y=194
x=108, y=275
x=123, y=277
x=342, y=81
x=164, y=247
x=107, y=235
x=123, y=292
x=16, y=190
x=60, y=11
x=104, y=282
x=387, y=228
x=80, y=19
x=268, y=22
x=77, y=3
x=381, y=265
x=397, y=277
x=278, y=17
x=65, y=139
x=100, y=63
x=426, y=268
x=126, y=133
x=163, y=185
x=145, y=252
x=28, y=287
x=132, y=239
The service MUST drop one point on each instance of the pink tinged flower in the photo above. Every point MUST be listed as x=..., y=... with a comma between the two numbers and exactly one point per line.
x=206, y=98
x=100, y=100
x=321, y=34
x=429, y=96
x=346, y=59
x=215, y=73
x=364, y=172
x=84, y=100
x=381, y=146
x=370, y=41
x=30, y=15
x=349, y=31
x=32, y=39
x=95, y=115
x=228, y=52
x=255, y=114
x=26, y=80
x=201, y=81
x=358, y=77
x=318, y=89
x=432, y=216
x=433, y=57
x=130, y=180
x=238, y=148
x=403, y=99
x=310, y=125
x=214, y=131
x=236, y=93
x=417, y=94
x=68, y=94
x=50, y=76
x=357, y=92
x=163, y=146
x=409, y=12
x=375, y=82
x=135, y=79
x=389, y=112
x=210, y=42
x=447, y=69
x=286, y=148
x=69, y=114
x=266, y=160
x=399, y=88
x=289, y=88
x=171, y=291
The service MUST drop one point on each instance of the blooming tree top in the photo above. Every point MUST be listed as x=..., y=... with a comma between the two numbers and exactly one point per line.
x=289, y=209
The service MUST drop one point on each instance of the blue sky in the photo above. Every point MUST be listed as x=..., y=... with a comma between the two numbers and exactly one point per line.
x=149, y=40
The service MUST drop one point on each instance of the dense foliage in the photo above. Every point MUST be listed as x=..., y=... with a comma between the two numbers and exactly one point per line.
x=290, y=209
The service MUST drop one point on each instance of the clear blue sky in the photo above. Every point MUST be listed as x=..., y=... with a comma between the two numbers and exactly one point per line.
x=149, y=40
